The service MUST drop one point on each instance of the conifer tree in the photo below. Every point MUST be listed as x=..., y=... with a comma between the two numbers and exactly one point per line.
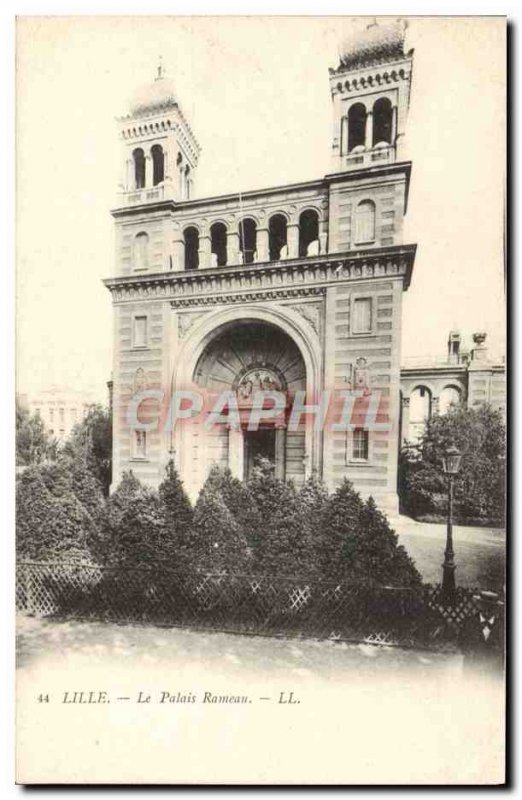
x=378, y=555
x=275, y=531
x=179, y=516
x=341, y=519
x=51, y=525
x=139, y=535
x=313, y=501
x=219, y=542
x=234, y=494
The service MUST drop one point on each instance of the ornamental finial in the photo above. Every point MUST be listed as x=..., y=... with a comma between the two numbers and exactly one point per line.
x=161, y=70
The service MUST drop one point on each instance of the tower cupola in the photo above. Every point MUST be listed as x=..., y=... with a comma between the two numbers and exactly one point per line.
x=160, y=151
x=370, y=91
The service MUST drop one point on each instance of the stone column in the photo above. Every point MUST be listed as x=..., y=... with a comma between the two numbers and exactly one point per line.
x=323, y=237
x=394, y=126
x=148, y=172
x=178, y=253
x=292, y=239
x=235, y=452
x=343, y=148
x=280, y=447
x=262, y=247
x=232, y=247
x=204, y=252
x=165, y=165
x=369, y=130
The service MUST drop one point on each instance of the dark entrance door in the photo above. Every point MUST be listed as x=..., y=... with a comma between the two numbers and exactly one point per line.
x=258, y=444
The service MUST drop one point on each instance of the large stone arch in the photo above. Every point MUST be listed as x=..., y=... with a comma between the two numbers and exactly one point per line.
x=213, y=324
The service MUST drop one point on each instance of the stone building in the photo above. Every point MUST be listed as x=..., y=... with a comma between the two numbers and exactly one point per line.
x=297, y=287
x=467, y=377
x=59, y=408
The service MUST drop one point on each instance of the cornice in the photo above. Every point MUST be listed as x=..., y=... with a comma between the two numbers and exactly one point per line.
x=434, y=369
x=305, y=277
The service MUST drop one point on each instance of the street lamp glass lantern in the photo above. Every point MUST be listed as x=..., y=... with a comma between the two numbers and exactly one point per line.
x=451, y=461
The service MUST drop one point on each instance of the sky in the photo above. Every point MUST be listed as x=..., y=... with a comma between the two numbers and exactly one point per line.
x=256, y=92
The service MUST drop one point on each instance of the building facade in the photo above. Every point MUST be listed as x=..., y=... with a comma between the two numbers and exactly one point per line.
x=462, y=377
x=296, y=288
x=59, y=408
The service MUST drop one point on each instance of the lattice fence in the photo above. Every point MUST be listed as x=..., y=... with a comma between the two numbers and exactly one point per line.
x=293, y=606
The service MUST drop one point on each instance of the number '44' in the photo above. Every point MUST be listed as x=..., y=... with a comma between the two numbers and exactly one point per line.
x=43, y=698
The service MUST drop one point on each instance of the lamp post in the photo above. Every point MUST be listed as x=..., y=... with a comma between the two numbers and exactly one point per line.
x=450, y=465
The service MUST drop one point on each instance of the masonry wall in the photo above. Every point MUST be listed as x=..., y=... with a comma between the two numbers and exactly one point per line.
x=487, y=385
x=381, y=348
x=157, y=227
x=388, y=195
x=138, y=368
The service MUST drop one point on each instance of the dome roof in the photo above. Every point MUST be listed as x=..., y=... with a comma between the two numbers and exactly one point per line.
x=153, y=98
x=374, y=45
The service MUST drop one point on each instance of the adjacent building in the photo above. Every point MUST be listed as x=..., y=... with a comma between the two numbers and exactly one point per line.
x=59, y=408
x=462, y=377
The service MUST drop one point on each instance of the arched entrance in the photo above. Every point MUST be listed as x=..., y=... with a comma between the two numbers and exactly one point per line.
x=248, y=357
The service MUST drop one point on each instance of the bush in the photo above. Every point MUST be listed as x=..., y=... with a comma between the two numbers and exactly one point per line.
x=51, y=521
x=479, y=489
x=33, y=444
x=313, y=501
x=275, y=529
x=179, y=517
x=235, y=495
x=338, y=530
x=91, y=440
x=359, y=545
x=136, y=530
x=378, y=554
x=219, y=544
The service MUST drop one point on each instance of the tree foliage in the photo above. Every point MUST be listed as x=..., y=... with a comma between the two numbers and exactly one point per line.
x=178, y=516
x=265, y=527
x=54, y=517
x=219, y=543
x=359, y=545
x=91, y=439
x=235, y=495
x=33, y=443
x=479, y=433
x=275, y=529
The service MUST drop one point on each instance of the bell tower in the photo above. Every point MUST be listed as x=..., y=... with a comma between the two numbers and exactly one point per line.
x=160, y=151
x=370, y=90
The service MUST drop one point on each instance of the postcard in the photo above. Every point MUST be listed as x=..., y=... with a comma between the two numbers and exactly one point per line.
x=261, y=400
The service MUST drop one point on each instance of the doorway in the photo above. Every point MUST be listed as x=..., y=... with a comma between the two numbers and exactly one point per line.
x=258, y=444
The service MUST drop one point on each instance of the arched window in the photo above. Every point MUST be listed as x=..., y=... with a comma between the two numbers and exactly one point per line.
x=365, y=222
x=141, y=251
x=356, y=126
x=450, y=396
x=382, y=121
x=218, y=243
x=191, y=237
x=308, y=231
x=420, y=412
x=158, y=164
x=276, y=236
x=138, y=157
x=247, y=240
